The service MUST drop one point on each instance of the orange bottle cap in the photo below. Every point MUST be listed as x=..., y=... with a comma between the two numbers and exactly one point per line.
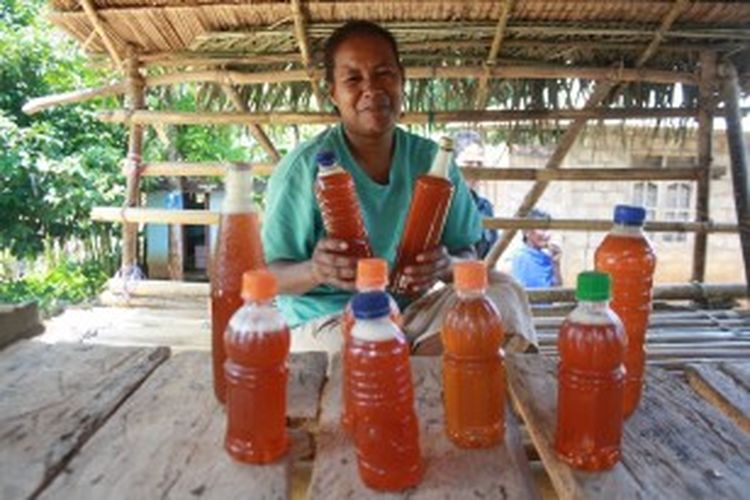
x=259, y=285
x=470, y=275
x=372, y=273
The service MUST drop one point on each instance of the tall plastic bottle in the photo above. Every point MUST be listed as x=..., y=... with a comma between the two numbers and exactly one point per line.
x=473, y=369
x=591, y=379
x=386, y=433
x=627, y=255
x=339, y=206
x=428, y=210
x=372, y=276
x=257, y=345
x=238, y=249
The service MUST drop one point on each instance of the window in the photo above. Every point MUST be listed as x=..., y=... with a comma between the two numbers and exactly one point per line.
x=667, y=201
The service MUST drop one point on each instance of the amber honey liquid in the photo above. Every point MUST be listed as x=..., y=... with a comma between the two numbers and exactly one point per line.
x=590, y=388
x=424, y=225
x=238, y=249
x=342, y=216
x=256, y=375
x=630, y=261
x=473, y=372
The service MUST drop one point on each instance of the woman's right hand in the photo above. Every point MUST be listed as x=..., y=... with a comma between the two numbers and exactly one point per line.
x=330, y=267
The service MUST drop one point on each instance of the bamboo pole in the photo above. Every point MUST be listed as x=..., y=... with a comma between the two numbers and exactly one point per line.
x=482, y=95
x=578, y=174
x=254, y=129
x=601, y=91
x=693, y=292
x=238, y=118
x=300, y=33
x=136, y=100
x=199, y=169
x=148, y=215
x=738, y=160
x=604, y=225
x=98, y=24
x=41, y=103
x=705, y=132
x=677, y=8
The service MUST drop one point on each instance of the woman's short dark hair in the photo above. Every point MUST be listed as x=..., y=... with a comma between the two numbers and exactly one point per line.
x=349, y=30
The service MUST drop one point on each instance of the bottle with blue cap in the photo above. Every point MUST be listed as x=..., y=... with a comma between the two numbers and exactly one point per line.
x=629, y=258
x=386, y=432
x=339, y=206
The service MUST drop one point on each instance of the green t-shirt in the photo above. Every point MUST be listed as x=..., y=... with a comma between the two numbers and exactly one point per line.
x=292, y=224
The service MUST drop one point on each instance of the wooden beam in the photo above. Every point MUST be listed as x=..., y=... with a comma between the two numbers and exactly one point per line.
x=599, y=94
x=143, y=215
x=200, y=169
x=41, y=103
x=237, y=118
x=579, y=174
x=677, y=8
x=482, y=95
x=738, y=160
x=254, y=129
x=606, y=225
x=705, y=131
x=98, y=24
x=300, y=33
x=693, y=291
x=135, y=101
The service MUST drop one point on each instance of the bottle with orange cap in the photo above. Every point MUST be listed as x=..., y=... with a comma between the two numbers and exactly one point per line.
x=372, y=276
x=473, y=369
x=257, y=347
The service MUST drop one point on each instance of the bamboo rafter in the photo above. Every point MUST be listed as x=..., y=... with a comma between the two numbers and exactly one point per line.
x=98, y=24
x=482, y=94
x=666, y=23
x=254, y=128
x=300, y=32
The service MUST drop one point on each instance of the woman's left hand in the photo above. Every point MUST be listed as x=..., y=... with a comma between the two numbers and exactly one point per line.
x=429, y=267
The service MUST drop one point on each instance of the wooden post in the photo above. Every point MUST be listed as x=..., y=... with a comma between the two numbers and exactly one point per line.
x=738, y=159
x=136, y=100
x=502, y=22
x=705, y=132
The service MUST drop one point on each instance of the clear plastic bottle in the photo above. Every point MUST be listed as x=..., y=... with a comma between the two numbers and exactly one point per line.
x=386, y=432
x=372, y=276
x=591, y=379
x=257, y=346
x=428, y=210
x=627, y=255
x=339, y=206
x=473, y=369
x=238, y=249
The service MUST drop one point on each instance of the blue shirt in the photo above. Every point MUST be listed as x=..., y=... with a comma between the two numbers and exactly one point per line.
x=533, y=268
x=292, y=223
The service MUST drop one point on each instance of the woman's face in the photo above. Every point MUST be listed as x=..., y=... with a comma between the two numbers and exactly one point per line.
x=367, y=86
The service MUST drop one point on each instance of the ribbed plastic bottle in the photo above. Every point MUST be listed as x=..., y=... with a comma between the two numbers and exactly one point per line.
x=428, y=210
x=339, y=206
x=386, y=432
x=257, y=345
x=473, y=369
x=372, y=276
x=627, y=255
x=591, y=379
x=238, y=249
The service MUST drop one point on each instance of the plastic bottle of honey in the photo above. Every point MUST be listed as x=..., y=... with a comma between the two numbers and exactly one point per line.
x=473, y=370
x=386, y=432
x=257, y=346
x=238, y=249
x=428, y=210
x=339, y=206
x=591, y=378
x=628, y=257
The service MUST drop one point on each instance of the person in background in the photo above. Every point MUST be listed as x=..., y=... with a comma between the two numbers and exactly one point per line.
x=536, y=264
x=366, y=84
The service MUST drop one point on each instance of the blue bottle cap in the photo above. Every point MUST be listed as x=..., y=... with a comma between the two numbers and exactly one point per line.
x=630, y=215
x=371, y=305
x=325, y=158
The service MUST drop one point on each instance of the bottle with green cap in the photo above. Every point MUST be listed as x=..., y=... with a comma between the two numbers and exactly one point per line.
x=591, y=378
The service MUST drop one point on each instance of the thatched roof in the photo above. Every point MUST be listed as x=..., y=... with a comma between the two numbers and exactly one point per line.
x=261, y=36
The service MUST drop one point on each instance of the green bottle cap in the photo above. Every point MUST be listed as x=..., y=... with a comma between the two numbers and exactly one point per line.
x=593, y=286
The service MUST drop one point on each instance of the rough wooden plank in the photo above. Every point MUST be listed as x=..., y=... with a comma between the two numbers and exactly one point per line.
x=167, y=441
x=726, y=386
x=307, y=373
x=450, y=472
x=18, y=321
x=54, y=397
x=674, y=446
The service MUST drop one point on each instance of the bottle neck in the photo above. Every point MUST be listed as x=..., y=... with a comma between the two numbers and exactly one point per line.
x=627, y=230
x=329, y=170
x=593, y=306
x=470, y=293
x=371, y=288
x=238, y=184
x=441, y=163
